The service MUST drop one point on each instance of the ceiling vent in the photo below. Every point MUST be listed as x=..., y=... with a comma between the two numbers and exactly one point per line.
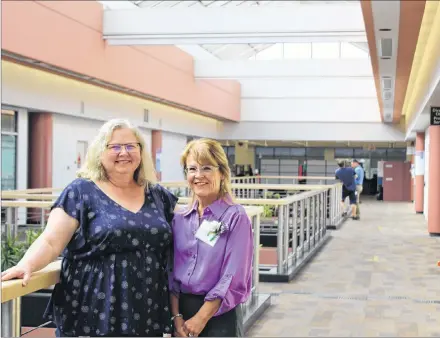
x=388, y=117
x=387, y=83
x=387, y=95
x=385, y=48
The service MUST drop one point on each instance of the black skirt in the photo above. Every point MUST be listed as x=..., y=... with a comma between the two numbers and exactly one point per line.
x=229, y=324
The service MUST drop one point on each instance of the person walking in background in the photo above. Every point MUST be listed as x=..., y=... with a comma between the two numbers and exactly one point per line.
x=213, y=249
x=346, y=175
x=359, y=181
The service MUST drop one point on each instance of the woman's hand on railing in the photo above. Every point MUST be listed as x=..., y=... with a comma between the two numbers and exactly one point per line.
x=19, y=271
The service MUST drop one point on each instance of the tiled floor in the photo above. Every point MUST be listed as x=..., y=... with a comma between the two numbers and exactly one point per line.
x=377, y=277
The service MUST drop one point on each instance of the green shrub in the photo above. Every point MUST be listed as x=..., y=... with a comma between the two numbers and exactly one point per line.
x=267, y=211
x=13, y=249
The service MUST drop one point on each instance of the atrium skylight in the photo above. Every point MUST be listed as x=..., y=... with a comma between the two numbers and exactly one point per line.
x=260, y=51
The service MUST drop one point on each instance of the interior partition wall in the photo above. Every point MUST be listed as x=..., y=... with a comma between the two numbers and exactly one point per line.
x=307, y=154
x=287, y=161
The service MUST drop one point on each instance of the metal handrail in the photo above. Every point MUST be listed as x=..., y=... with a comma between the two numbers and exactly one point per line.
x=171, y=183
x=286, y=177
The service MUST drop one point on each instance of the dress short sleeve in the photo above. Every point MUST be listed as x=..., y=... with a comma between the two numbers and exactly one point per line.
x=169, y=202
x=71, y=201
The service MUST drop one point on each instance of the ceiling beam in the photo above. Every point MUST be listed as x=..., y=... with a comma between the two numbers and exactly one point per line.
x=367, y=12
x=423, y=86
x=411, y=15
x=196, y=25
x=392, y=29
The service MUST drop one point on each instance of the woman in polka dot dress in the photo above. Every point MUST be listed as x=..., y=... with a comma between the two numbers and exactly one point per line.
x=112, y=227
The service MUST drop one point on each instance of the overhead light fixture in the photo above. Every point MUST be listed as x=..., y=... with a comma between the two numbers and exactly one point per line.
x=387, y=82
x=387, y=95
x=385, y=48
x=388, y=117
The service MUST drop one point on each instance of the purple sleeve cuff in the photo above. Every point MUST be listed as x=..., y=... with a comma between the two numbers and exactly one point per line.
x=221, y=289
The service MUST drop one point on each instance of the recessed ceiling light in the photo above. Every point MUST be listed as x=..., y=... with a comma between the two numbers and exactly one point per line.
x=386, y=48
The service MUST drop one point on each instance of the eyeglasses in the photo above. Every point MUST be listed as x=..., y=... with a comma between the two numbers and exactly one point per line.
x=116, y=148
x=204, y=170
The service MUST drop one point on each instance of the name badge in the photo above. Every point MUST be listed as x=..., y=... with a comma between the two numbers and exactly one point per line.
x=209, y=232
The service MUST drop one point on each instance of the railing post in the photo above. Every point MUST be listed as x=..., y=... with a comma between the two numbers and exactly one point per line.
x=256, y=261
x=338, y=207
x=309, y=222
x=301, y=228
x=322, y=213
x=8, y=223
x=43, y=219
x=280, y=241
x=323, y=223
x=11, y=222
x=295, y=232
x=286, y=236
x=331, y=205
x=313, y=208
x=11, y=325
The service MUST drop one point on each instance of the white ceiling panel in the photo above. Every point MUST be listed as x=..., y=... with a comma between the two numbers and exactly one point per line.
x=232, y=51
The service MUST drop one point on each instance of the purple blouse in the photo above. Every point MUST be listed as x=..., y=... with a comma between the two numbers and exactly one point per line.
x=223, y=271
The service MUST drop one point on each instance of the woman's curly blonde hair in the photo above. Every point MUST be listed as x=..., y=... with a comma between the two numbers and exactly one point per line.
x=94, y=170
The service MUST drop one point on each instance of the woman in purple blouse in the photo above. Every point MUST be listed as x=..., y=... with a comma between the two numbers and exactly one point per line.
x=213, y=249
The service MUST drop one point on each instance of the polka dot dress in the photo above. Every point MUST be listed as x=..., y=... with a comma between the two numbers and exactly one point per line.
x=113, y=278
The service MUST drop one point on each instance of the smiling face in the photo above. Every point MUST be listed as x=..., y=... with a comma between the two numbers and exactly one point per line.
x=204, y=179
x=123, y=153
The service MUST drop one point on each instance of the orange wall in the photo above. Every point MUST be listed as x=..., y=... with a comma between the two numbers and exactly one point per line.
x=68, y=34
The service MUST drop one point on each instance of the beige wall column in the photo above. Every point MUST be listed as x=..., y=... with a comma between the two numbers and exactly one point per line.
x=434, y=181
x=156, y=151
x=40, y=150
x=244, y=154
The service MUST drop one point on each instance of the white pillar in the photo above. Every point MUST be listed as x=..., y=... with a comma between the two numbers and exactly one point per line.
x=22, y=158
x=22, y=149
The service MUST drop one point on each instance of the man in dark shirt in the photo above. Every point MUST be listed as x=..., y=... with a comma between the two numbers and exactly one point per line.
x=346, y=175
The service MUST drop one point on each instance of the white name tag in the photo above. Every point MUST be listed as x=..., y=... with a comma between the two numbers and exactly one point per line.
x=208, y=232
